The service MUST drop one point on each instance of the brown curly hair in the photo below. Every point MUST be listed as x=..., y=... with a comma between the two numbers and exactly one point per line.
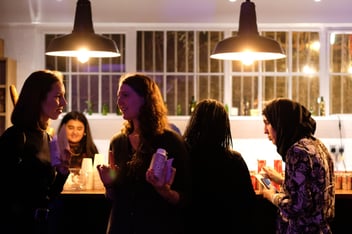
x=152, y=114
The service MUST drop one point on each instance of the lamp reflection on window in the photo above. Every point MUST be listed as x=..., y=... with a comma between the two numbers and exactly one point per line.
x=350, y=69
x=308, y=70
x=315, y=45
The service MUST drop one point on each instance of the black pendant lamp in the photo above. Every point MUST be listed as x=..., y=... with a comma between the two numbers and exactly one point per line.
x=248, y=45
x=83, y=43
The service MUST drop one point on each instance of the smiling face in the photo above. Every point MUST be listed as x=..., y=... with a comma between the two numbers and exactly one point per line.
x=129, y=102
x=74, y=131
x=55, y=102
x=269, y=130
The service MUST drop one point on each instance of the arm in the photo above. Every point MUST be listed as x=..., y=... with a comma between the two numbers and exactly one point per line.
x=164, y=187
x=297, y=197
x=177, y=189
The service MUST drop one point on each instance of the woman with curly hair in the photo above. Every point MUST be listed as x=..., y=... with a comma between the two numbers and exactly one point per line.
x=141, y=202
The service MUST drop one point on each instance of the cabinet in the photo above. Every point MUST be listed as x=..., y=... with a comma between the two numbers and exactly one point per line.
x=7, y=77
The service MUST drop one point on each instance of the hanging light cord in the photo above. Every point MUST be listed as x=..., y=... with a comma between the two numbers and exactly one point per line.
x=341, y=148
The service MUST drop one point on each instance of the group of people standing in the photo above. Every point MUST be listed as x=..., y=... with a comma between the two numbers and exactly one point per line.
x=209, y=189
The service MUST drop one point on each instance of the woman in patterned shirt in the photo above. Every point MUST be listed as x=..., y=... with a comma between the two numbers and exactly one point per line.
x=306, y=203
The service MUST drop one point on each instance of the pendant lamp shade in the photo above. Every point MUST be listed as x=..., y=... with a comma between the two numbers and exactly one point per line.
x=83, y=43
x=248, y=45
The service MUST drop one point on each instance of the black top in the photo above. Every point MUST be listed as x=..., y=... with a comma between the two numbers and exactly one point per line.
x=28, y=177
x=137, y=207
x=223, y=198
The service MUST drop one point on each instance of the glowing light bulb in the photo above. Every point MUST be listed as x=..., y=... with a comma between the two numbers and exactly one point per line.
x=83, y=55
x=247, y=58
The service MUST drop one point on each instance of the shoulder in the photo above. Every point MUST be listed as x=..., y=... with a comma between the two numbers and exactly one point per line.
x=169, y=133
x=235, y=159
x=171, y=141
x=12, y=139
x=234, y=155
x=303, y=146
x=172, y=137
x=11, y=134
x=118, y=136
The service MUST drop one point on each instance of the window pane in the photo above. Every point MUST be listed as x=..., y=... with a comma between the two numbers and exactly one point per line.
x=206, y=43
x=274, y=87
x=109, y=86
x=277, y=65
x=211, y=86
x=150, y=51
x=305, y=89
x=305, y=51
x=180, y=51
x=340, y=50
x=341, y=98
x=178, y=94
x=245, y=93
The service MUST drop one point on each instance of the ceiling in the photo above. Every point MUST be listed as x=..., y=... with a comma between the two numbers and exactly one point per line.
x=176, y=11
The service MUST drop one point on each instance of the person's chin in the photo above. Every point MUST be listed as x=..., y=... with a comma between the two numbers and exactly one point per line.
x=55, y=116
x=125, y=117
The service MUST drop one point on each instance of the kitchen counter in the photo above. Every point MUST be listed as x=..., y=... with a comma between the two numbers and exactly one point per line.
x=339, y=193
x=87, y=211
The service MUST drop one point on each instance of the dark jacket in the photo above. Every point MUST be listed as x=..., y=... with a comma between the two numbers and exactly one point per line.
x=28, y=178
x=223, y=198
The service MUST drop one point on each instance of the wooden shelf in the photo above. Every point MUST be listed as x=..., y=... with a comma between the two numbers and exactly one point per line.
x=7, y=78
x=339, y=192
x=90, y=191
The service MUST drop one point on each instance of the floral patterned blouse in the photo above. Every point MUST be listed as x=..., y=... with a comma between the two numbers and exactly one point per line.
x=307, y=204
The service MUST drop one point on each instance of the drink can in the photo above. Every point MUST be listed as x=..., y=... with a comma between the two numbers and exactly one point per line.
x=261, y=164
x=158, y=162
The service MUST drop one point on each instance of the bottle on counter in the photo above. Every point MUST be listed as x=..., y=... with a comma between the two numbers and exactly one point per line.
x=192, y=105
x=245, y=108
x=321, y=106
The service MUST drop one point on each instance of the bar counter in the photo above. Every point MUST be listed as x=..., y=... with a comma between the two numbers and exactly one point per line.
x=87, y=211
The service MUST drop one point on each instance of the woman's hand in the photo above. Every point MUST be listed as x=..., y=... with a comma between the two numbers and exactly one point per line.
x=60, y=150
x=268, y=193
x=167, y=177
x=108, y=174
x=62, y=141
x=273, y=175
x=163, y=185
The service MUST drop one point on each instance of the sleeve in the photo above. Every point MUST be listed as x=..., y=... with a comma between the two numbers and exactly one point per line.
x=12, y=143
x=300, y=197
x=12, y=146
x=58, y=184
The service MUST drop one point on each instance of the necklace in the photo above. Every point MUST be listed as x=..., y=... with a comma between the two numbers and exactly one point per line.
x=76, y=150
x=76, y=154
x=134, y=134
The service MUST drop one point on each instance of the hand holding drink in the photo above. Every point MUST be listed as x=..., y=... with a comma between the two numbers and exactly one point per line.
x=160, y=171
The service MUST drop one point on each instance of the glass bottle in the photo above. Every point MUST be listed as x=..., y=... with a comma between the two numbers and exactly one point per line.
x=321, y=104
x=192, y=105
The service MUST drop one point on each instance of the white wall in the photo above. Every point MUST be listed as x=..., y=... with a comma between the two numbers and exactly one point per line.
x=247, y=132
